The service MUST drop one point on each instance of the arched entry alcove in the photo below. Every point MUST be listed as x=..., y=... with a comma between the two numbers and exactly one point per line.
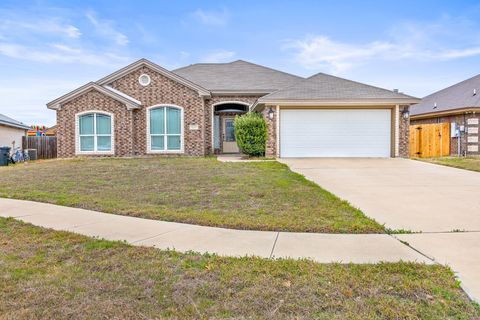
x=223, y=129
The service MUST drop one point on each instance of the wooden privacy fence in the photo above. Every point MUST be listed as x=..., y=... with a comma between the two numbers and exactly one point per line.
x=46, y=146
x=430, y=140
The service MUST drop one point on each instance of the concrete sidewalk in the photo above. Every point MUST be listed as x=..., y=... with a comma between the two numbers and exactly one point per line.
x=344, y=248
x=459, y=250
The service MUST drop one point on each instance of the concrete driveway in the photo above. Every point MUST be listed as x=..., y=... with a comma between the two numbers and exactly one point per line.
x=442, y=202
x=402, y=194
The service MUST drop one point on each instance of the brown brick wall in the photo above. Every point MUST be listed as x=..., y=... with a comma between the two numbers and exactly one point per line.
x=271, y=147
x=459, y=119
x=94, y=100
x=130, y=126
x=163, y=90
x=403, y=134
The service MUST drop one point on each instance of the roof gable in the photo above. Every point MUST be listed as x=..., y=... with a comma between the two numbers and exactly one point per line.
x=458, y=96
x=330, y=88
x=129, y=102
x=155, y=67
x=237, y=76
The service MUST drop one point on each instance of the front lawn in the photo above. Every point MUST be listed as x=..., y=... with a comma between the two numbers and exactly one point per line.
x=261, y=196
x=46, y=274
x=467, y=163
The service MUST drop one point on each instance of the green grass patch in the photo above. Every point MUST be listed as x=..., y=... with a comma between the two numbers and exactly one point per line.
x=60, y=275
x=204, y=191
x=467, y=163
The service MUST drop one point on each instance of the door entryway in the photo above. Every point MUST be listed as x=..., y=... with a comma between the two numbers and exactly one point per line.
x=229, y=143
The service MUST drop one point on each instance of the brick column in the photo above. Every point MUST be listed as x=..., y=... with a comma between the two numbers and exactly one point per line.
x=404, y=134
x=271, y=147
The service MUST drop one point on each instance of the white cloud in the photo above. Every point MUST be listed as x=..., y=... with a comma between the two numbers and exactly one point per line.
x=145, y=35
x=218, y=56
x=106, y=28
x=53, y=26
x=322, y=52
x=72, y=32
x=184, y=55
x=59, y=53
x=435, y=42
x=212, y=18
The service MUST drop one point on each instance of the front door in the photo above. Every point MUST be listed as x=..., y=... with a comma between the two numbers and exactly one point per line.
x=229, y=142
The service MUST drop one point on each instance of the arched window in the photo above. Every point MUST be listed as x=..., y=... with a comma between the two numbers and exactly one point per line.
x=95, y=133
x=165, y=132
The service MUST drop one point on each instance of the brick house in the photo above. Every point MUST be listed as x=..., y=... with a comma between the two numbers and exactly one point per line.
x=458, y=105
x=146, y=109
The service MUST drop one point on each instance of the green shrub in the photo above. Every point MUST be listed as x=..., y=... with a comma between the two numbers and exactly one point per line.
x=251, y=134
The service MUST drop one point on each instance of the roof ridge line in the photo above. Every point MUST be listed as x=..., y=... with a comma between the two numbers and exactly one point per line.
x=269, y=68
x=286, y=88
x=238, y=60
x=453, y=85
x=360, y=83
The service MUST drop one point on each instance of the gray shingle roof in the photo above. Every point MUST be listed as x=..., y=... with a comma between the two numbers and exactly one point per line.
x=458, y=96
x=237, y=76
x=326, y=87
x=7, y=121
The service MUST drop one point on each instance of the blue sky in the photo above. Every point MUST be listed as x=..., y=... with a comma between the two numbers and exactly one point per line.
x=48, y=48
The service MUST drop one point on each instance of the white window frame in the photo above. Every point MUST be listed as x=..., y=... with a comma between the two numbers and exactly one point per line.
x=182, y=135
x=77, y=133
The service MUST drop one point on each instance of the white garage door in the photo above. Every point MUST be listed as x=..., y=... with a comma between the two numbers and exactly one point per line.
x=335, y=133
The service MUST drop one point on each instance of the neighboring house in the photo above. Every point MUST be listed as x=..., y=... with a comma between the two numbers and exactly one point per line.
x=146, y=109
x=458, y=105
x=11, y=132
x=51, y=132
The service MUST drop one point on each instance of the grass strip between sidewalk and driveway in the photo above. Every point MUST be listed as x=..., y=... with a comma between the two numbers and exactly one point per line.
x=203, y=191
x=467, y=163
x=51, y=274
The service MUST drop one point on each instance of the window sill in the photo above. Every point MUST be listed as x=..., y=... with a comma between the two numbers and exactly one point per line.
x=165, y=151
x=95, y=153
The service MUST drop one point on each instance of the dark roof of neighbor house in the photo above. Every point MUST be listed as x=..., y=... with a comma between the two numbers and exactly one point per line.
x=7, y=121
x=237, y=76
x=322, y=86
x=458, y=96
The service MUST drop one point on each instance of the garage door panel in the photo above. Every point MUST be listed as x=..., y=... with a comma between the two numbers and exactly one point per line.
x=335, y=133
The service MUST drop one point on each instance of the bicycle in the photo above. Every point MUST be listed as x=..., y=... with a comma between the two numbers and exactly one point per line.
x=19, y=156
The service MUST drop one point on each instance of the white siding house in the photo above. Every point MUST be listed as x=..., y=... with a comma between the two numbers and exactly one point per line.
x=11, y=132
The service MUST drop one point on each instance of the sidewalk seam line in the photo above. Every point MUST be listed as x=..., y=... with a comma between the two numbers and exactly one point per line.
x=157, y=235
x=405, y=243
x=274, y=244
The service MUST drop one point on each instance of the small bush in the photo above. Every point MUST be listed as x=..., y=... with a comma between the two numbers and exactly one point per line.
x=251, y=134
